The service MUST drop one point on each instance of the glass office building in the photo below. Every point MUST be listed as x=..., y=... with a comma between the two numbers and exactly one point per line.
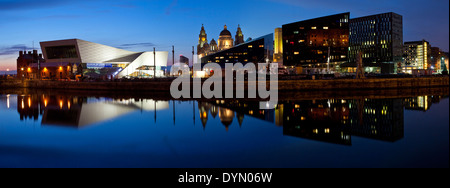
x=315, y=42
x=254, y=51
x=380, y=40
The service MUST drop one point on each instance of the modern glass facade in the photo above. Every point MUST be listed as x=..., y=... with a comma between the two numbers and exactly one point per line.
x=417, y=55
x=308, y=43
x=58, y=52
x=254, y=51
x=94, y=60
x=379, y=38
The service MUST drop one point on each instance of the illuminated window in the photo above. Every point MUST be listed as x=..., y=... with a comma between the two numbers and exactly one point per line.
x=325, y=27
x=250, y=46
x=313, y=27
x=302, y=28
x=295, y=32
x=222, y=57
x=300, y=41
x=296, y=53
x=261, y=46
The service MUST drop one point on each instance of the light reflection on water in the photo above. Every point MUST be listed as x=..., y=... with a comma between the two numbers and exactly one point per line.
x=44, y=130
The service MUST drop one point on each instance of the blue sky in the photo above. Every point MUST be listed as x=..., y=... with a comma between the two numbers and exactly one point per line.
x=140, y=25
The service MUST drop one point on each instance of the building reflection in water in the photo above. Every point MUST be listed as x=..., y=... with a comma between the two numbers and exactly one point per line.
x=336, y=120
x=328, y=120
x=421, y=103
x=78, y=112
x=228, y=110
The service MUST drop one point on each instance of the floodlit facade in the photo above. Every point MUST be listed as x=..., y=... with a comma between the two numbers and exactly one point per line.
x=97, y=60
x=278, y=46
x=417, y=55
x=224, y=42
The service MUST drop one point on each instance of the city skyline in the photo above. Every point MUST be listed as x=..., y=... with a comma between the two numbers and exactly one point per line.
x=130, y=24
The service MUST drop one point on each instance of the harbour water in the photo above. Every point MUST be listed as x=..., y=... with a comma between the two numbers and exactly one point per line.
x=44, y=129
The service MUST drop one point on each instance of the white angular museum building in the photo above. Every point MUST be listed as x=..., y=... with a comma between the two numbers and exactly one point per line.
x=101, y=60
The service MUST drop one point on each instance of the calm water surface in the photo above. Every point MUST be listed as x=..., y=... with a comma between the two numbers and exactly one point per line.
x=65, y=130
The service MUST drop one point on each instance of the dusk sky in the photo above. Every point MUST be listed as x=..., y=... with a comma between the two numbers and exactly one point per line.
x=140, y=25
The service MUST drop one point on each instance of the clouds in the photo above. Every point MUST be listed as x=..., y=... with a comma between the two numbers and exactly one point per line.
x=170, y=7
x=13, y=49
x=17, y=5
x=135, y=45
x=13, y=5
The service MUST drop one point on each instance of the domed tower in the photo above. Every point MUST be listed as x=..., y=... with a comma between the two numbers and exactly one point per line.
x=214, y=111
x=203, y=110
x=213, y=46
x=239, y=36
x=225, y=39
x=226, y=117
x=202, y=40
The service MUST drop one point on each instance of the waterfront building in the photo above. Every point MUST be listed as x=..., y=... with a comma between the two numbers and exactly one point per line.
x=254, y=51
x=24, y=62
x=380, y=39
x=320, y=43
x=278, y=46
x=224, y=42
x=64, y=58
x=239, y=36
x=203, y=46
x=417, y=55
x=213, y=46
x=439, y=60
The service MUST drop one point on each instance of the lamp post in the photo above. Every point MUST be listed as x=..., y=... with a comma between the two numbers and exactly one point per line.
x=154, y=64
